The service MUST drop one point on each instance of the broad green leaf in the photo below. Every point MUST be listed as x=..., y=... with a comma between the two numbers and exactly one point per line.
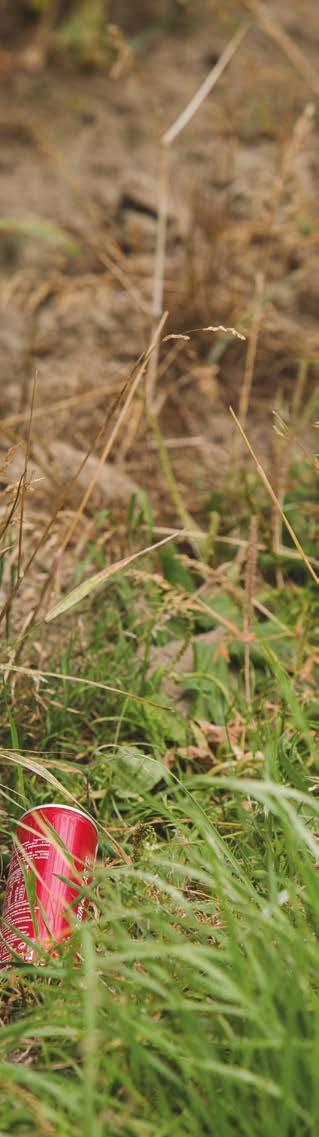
x=140, y=770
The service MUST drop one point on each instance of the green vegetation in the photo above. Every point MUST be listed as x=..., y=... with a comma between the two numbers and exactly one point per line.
x=91, y=33
x=194, y=1006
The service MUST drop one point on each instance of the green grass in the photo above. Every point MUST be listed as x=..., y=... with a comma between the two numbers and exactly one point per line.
x=194, y=1008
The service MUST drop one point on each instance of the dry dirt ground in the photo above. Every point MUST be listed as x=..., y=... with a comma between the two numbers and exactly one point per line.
x=80, y=150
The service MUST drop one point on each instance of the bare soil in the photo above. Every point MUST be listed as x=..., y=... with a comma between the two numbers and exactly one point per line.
x=80, y=150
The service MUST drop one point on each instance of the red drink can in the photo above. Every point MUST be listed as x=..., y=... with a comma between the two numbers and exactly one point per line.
x=53, y=858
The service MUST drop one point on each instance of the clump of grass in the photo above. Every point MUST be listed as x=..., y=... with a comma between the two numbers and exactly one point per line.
x=182, y=714
x=194, y=1006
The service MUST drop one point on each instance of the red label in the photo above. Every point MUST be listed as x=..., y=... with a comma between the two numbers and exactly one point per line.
x=44, y=860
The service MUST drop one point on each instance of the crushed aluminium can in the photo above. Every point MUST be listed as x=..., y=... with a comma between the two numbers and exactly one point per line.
x=53, y=858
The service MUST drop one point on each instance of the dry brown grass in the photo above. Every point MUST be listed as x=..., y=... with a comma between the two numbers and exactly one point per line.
x=211, y=259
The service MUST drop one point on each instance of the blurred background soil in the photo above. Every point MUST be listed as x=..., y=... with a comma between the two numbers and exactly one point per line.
x=82, y=114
